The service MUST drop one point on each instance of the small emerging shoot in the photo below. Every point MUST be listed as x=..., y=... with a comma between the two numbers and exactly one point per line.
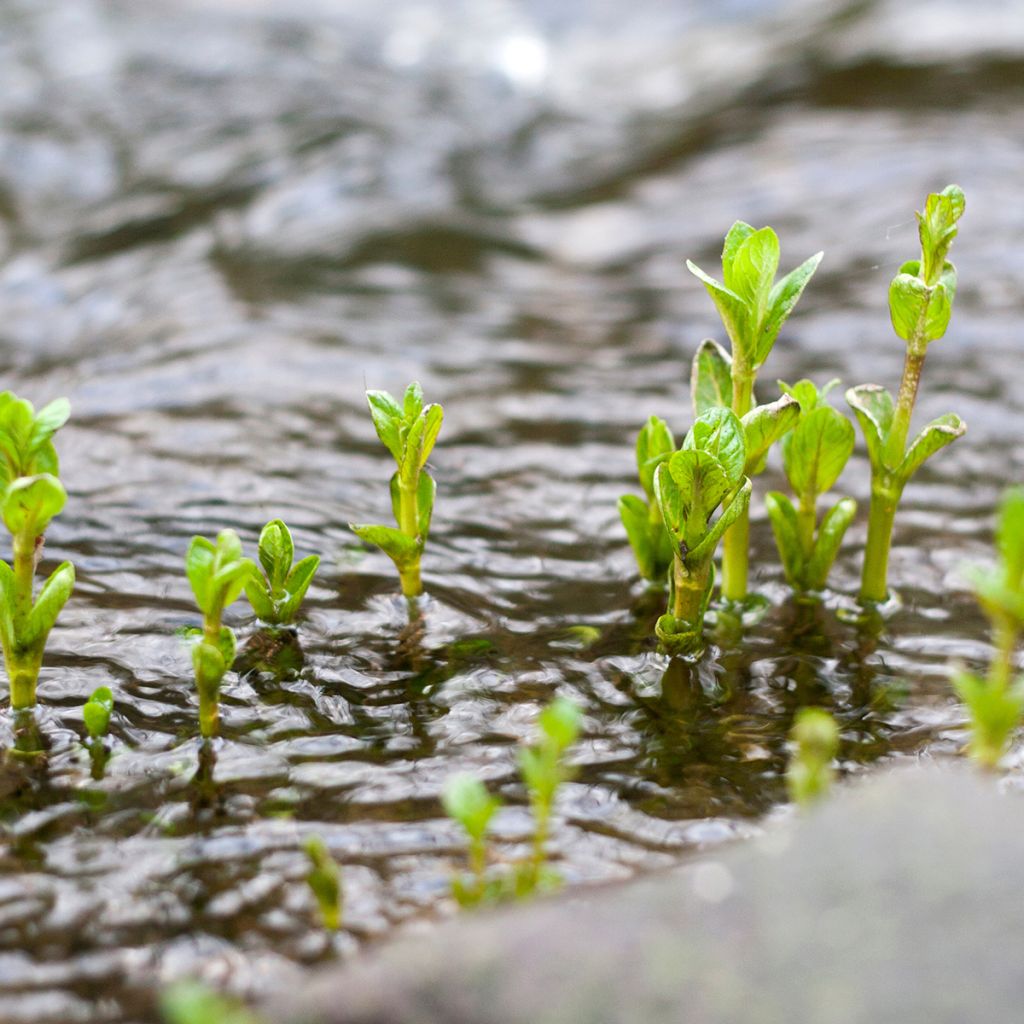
x=408, y=431
x=218, y=574
x=466, y=801
x=920, y=304
x=810, y=775
x=705, y=475
x=31, y=495
x=996, y=703
x=276, y=593
x=753, y=307
x=325, y=882
x=191, y=1002
x=96, y=713
x=648, y=537
x=814, y=455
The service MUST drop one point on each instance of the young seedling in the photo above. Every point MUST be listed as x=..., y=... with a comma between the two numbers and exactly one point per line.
x=191, y=1002
x=276, y=593
x=811, y=773
x=544, y=770
x=920, y=304
x=753, y=307
x=645, y=529
x=706, y=474
x=96, y=713
x=996, y=703
x=466, y=801
x=325, y=882
x=218, y=574
x=814, y=455
x=408, y=431
x=31, y=495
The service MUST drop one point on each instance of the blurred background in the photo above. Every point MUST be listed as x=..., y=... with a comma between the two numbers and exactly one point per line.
x=221, y=220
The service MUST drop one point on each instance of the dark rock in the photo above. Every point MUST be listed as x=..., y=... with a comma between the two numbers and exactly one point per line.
x=899, y=900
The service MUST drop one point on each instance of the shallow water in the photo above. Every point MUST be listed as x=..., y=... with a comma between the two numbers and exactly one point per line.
x=219, y=223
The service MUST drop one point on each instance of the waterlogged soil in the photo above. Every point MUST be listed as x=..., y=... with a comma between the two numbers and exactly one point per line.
x=219, y=222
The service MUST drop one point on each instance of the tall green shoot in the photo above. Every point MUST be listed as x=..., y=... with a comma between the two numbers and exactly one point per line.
x=408, y=431
x=466, y=801
x=324, y=879
x=920, y=304
x=32, y=495
x=218, y=574
x=996, y=703
x=642, y=519
x=705, y=475
x=814, y=455
x=276, y=593
x=753, y=307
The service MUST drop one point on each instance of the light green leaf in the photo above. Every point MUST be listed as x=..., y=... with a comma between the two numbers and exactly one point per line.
x=635, y=518
x=874, y=408
x=466, y=800
x=653, y=446
x=298, y=583
x=425, y=495
x=830, y=537
x=227, y=645
x=720, y=433
x=752, y=271
x=736, y=236
x=702, y=485
x=209, y=667
x=387, y=420
x=199, y=569
x=705, y=548
x=52, y=598
x=785, y=526
x=1010, y=535
x=763, y=426
x=48, y=421
x=807, y=393
x=781, y=302
x=433, y=416
x=402, y=550
x=261, y=600
x=730, y=306
x=935, y=436
x=908, y=302
x=96, y=712
x=412, y=402
x=276, y=551
x=30, y=502
x=937, y=227
x=710, y=378
x=560, y=723
x=816, y=452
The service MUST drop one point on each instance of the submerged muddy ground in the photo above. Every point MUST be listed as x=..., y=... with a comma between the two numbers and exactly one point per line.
x=219, y=223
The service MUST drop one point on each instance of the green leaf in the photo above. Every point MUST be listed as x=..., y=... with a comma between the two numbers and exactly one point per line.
x=781, y=302
x=995, y=713
x=635, y=517
x=209, y=667
x=190, y=1002
x=433, y=416
x=561, y=722
x=412, y=402
x=935, y=436
x=425, y=494
x=807, y=393
x=30, y=502
x=96, y=712
x=783, y=518
x=6, y=604
x=653, y=446
x=720, y=433
x=48, y=421
x=387, y=420
x=874, y=408
x=199, y=569
x=731, y=308
x=227, y=645
x=908, y=301
x=1010, y=535
x=701, y=485
x=402, y=550
x=52, y=598
x=937, y=227
x=830, y=538
x=466, y=800
x=752, y=270
x=816, y=452
x=707, y=544
x=763, y=426
x=260, y=598
x=276, y=551
x=710, y=378
x=736, y=236
x=297, y=584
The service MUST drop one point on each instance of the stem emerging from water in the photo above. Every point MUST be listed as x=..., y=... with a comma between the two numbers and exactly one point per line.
x=736, y=542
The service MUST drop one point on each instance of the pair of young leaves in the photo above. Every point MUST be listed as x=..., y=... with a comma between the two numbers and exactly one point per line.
x=996, y=704
x=32, y=495
x=409, y=431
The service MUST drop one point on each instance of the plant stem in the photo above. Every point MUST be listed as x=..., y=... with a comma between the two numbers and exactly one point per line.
x=23, y=664
x=736, y=542
x=409, y=524
x=896, y=442
x=1001, y=668
x=689, y=587
x=209, y=690
x=807, y=522
x=885, y=496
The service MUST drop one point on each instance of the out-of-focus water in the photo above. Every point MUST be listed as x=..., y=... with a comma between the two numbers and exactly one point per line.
x=219, y=222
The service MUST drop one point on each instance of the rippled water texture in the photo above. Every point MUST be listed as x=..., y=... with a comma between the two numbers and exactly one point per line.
x=220, y=222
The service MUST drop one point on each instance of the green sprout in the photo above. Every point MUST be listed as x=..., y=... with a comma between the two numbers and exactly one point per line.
x=706, y=474
x=96, y=713
x=408, y=431
x=325, y=882
x=815, y=735
x=30, y=498
x=191, y=1002
x=645, y=529
x=996, y=703
x=218, y=574
x=466, y=801
x=814, y=455
x=544, y=770
x=276, y=593
x=753, y=307
x=920, y=304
